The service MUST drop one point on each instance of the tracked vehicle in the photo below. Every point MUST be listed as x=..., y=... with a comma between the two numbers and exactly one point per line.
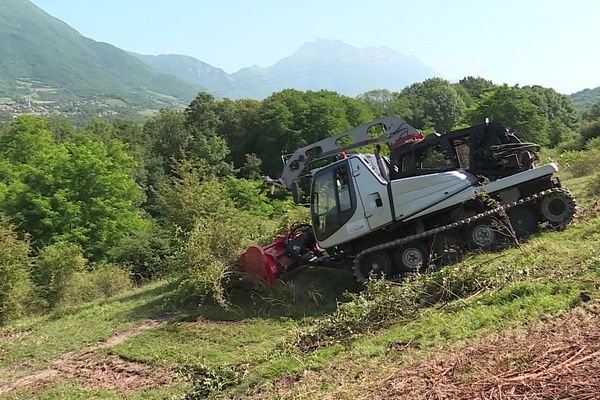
x=431, y=200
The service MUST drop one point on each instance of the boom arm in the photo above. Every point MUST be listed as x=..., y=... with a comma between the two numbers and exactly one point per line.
x=395, y=132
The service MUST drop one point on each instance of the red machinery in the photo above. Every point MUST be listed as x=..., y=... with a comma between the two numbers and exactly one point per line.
x=285, y=253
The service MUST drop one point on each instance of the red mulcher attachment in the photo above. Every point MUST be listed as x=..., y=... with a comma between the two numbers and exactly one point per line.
x=286, y=252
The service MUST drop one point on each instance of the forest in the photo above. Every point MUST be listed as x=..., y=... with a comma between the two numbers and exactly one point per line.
x=89, y=211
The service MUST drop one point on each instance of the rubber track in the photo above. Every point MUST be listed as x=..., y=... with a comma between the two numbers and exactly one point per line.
x=463, y=222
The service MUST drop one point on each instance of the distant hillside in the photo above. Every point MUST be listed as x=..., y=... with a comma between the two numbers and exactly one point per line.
x=586, y=97
x=188, y=69
x=321, y=64
x=42, y=59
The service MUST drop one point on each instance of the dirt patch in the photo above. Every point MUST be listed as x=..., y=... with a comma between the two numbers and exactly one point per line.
x=547, y=361
x=112, y=372
x=107, y=371
x=121, y=337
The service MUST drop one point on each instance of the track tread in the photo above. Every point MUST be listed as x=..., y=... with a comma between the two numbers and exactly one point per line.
x=530, y=199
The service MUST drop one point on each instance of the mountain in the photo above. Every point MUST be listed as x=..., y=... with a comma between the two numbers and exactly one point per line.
x=43, y=60
x=586, y=97
x=188, y=69
x=321, y=64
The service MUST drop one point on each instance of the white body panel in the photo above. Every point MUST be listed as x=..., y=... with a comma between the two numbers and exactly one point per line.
x=411, y=195
x=500, y=184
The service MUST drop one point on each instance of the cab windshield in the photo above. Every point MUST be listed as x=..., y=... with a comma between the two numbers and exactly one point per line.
x=333, y=201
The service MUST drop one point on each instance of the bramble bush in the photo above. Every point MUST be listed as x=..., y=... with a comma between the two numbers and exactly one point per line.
x=15, y=286
x=54, y=267
x=103, y=281
x=207, y=260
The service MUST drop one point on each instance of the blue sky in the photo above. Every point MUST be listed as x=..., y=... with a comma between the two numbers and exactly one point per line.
x=552, y=43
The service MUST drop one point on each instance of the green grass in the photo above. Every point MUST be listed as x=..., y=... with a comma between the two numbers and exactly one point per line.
x=543, y=279
x=43, y=338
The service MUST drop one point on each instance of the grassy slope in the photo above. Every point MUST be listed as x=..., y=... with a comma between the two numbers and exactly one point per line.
x=550, y=272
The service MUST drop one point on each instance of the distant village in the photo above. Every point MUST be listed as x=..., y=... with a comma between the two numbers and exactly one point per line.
x=67, y=109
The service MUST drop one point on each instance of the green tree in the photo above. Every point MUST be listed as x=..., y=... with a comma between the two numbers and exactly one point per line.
x=237, y=123
x=476, y=86
x=593, y=113
x=511, y=107
x=558, y=109
x=251, y=168
x=434, y=103
x=78, y=190
x=205, y=145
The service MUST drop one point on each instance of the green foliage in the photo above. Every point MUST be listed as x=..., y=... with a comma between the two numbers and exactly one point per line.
x=145, y=252
x=110, y=279
x=383, y=102
x=594, y=187
x=291, y=119
x=252, y=167
x=511, y=107
x=593, y=113
x=435, y=103
x=78, y=190
x=103, y=281
x=56, y=264
x=476, y=86
x=579, y=163
x=590, y=130
x=205, y=145
x=250, y=196
x=208, y=258
x=215, y=229
x=192, y=193
x=15, y=265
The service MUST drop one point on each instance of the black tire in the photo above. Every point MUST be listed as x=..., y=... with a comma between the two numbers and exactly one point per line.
x=448, y=248
x=524, y=220
x=558, y=208
x=481, y=236
x=378, y=264
x=411, y=257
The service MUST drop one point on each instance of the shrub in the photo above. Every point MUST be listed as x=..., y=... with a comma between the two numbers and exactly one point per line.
x=250, y=196
x=105, y=280
x=190, y=195
x=55, y=266
x=594, y=187
x=14, y=271
x=580, y=163
x=208, y=257
x=291, y=214
x=590, y=130
x=110, y=279
x=78, y=289
x=145, y=252
x=593, y=144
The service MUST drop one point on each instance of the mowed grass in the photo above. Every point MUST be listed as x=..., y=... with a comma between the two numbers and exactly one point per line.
x=257, y=334
x=30, y=343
